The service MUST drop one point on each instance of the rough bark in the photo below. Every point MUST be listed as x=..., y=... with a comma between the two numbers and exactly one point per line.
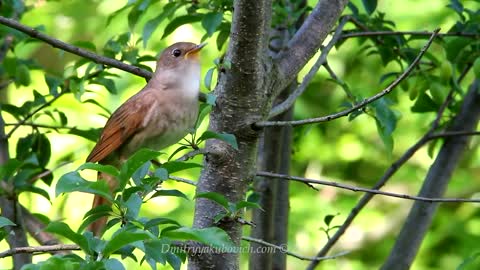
x=240, y=102
x=420, y=217
x=244, y=96
x=271, y=221
x=10, y=208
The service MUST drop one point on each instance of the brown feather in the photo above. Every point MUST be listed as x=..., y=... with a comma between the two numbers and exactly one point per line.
x=123, y=124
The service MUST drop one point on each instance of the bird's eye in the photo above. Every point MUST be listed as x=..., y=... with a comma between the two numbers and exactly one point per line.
x=176, y=52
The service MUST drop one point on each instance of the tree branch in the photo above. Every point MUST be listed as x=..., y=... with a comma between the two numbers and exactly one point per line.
x=38, y=250
x=308, y=39
x=74, y=50
x=367, y=190
x=43, y=106
x=34, y=33
x=436, y=181
x=286, y=104
x=387, y=175
x=182, y=180
x=362, y=104
x=284, y=250
x=347, y=34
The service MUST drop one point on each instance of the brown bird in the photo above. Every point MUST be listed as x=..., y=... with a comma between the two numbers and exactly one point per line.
x=156, y=117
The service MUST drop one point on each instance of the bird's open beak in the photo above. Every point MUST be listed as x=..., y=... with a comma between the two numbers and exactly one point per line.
x=195, y=50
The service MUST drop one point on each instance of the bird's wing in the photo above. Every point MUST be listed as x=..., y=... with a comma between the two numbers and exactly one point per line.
x=125, y=122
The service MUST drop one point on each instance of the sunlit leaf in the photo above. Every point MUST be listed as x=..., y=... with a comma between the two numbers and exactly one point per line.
x=72, y=181
x=228, y=138
x=64, y=230
x=370, y=6
x=216, y=197
x=179, y=21
x=213, y=236
x=123, y=238
x=6, y=222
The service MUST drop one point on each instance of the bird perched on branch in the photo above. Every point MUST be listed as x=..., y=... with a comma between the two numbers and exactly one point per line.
x=156, y=117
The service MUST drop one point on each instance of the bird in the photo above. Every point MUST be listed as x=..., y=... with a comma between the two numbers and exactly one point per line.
x=159, y=115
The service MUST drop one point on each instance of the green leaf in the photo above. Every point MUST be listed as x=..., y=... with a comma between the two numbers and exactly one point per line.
x=179, y=21
x=385, y=136
x=133, y=163
x=176, y=166
x=476, y=67
x=170, y=192
x=211, y=21
x=161, y=221
x=141, y=173
x=468, y=261
x=8, y=169
x=123, y=238
x=370, y=6
x=328, y=219
x=161, y=173
x=222, y=38
x=246, y=205
x=22, y=75
x=94, y=214
x=455, y=46
x=213, y=236
x=29, y=188
x=133, y=205
x=90, y=134
x=108, y=169
x=174, y=260
x=385, y=115
x=6, y=222
x=64, y=230
x=114, y=14
x=228, y=138
x=216, y=197
x=204, y=110
x=86, y=45
x=109, y=84
x=211, y=99
x=424, y=104
x=72, y=181
x=113, y=264
x=152, y=24
x=208, y=78
x=157, y=249
x=53, y=84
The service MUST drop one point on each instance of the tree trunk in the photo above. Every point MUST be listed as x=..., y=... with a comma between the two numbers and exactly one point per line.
x=421, y=215
x=245, y=92
x=271, y=221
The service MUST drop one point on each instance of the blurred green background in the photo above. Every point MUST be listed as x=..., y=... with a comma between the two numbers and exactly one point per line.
x=345, y=151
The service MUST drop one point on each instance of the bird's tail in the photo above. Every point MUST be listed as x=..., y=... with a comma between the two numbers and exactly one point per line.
x=97, y=227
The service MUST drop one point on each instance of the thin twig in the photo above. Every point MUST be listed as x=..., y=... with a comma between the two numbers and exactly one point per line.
x=339, y=81
x=346, y=35
x=191, y=154
x=362, y=104
x=284, y=250
x=43, y=106
x=362, y=189
x=75, y=50
x=47, y=172
x=38, y=249
x=388, y=174
x=34, y=125
x=287, y=103
x=183, y=180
